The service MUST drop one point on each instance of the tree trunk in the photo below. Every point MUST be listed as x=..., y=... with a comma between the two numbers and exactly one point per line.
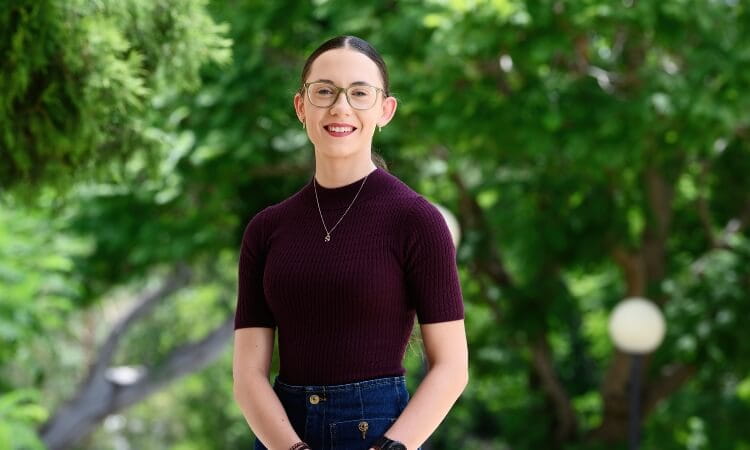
x=103, y=392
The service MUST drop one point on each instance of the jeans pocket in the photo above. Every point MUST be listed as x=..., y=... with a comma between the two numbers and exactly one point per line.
x=359, y=433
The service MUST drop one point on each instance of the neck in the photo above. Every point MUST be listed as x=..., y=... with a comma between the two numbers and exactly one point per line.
x=336, y=173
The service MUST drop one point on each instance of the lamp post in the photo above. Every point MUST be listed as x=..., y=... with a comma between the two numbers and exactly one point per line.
x=637, y=327
x=452, y=223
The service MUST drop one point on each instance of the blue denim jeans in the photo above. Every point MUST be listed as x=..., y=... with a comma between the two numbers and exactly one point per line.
x=343, y=416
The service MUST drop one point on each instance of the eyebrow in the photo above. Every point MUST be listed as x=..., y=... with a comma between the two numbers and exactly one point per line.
x=356, y=83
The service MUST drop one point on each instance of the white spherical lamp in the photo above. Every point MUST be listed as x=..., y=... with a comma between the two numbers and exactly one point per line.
x=452, y=223
x=637, y=326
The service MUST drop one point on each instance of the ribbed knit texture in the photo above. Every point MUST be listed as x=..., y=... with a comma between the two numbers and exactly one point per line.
x=345, y=309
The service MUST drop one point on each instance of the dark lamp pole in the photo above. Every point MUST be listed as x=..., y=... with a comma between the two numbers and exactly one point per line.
x=637, y=327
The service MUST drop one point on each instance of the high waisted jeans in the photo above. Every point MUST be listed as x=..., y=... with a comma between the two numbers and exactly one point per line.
x=343, y=416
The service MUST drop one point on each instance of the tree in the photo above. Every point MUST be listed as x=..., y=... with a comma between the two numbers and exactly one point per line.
x=591, y=150
x=79, y=80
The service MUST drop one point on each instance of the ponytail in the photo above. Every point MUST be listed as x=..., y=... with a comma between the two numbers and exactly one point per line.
x=379, y=161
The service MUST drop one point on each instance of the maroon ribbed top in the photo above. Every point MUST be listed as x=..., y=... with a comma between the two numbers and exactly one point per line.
x=345, y=308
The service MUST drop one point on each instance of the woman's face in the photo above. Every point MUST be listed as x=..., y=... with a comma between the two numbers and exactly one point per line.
x=340, y=130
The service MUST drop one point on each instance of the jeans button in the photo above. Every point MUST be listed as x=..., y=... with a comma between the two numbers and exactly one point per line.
x=314, y=399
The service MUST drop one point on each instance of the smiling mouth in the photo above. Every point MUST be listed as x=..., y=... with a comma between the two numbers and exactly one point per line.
x=338, y=131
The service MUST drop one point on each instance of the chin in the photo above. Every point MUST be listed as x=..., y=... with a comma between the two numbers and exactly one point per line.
x=339, y=150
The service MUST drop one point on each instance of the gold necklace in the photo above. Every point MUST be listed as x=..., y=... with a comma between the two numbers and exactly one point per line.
x=328, y=232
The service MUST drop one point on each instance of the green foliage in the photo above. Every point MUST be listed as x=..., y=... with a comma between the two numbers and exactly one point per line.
x=19, y=414
x=709, y=299
x=554, y=114
x=79, y=77
x=38, y=287
x=37, y=277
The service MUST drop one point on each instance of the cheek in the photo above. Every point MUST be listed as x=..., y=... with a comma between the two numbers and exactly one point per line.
x=368, y=120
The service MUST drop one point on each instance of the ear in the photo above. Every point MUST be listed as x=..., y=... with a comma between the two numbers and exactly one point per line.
x=299, y=106
x=389, y=109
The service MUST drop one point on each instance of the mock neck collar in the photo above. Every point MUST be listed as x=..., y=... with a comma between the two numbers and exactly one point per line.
x=342, y=196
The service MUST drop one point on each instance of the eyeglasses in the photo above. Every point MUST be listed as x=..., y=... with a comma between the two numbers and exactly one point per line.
x=359, y=96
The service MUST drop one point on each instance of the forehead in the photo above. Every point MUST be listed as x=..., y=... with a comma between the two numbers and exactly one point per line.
x=344, y=66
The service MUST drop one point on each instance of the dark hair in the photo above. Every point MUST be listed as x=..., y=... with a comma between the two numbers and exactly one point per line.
x=353, y=43
x=366, y=49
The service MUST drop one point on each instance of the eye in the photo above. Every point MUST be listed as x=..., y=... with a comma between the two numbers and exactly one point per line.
x=324, y=91
x=360, y=92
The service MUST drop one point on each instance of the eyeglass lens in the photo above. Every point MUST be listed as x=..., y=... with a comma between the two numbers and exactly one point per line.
x=325, y=94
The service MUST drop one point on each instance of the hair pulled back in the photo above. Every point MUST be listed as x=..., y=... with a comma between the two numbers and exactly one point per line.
x=364, y=47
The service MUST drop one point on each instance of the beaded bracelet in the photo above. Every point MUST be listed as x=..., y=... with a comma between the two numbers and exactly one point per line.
x=300, y=446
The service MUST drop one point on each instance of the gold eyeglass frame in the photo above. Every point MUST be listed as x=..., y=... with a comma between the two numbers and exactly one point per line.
x=339, y=90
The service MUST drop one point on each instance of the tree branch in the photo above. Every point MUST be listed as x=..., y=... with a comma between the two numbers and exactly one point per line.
x=633, y=270
x=660, y=195
x=489, y=263
x=181, y=361
x=672, y=379
x=614, y=396
x=704, y=213
x=471, y=216
x=102, y=394
x=544, y=367
x=174, y=282
x=640, y=269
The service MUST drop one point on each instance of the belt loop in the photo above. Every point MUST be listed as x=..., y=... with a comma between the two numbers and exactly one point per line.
x=361, y=402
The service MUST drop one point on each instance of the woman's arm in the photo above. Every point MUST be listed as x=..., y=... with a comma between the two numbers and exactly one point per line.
x=448, y=356
x=253, y=348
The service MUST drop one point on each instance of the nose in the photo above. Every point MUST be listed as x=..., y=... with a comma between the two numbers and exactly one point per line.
x=341, y=105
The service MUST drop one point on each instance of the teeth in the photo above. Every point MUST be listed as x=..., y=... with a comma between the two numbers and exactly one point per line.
x=340, y=129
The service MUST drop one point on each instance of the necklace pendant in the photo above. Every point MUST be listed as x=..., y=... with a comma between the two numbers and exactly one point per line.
x=328, y=237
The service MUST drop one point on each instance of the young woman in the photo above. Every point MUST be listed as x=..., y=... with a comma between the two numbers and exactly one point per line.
x=341, y=268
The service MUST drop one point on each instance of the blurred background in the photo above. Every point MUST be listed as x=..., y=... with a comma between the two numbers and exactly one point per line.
x=591, y=150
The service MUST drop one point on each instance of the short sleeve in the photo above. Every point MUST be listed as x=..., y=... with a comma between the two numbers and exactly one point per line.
x=252, y=308
x=430, y=265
